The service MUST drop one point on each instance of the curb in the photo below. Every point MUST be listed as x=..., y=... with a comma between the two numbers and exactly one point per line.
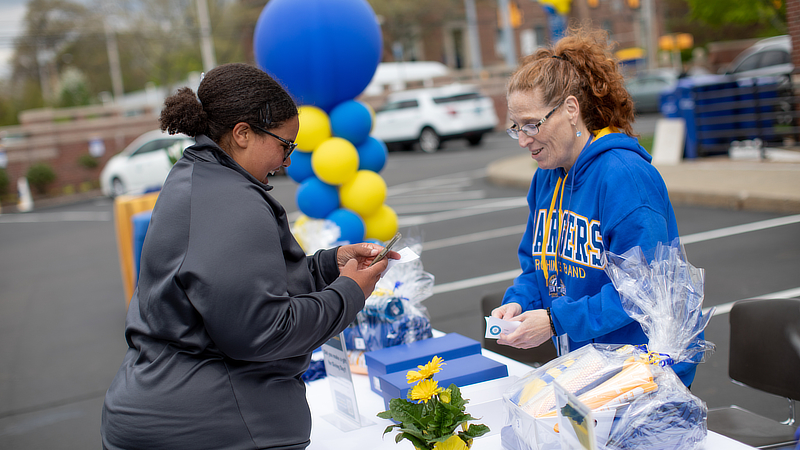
x=55, y=201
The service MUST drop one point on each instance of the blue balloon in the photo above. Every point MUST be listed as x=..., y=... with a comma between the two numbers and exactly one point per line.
x=300, y=169
x=323, y=51
x=351, y=120
x=350, y=224
x=372, y=154
x=316, y=199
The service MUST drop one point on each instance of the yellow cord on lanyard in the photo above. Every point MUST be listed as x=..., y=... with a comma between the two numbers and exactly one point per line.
x=547, y=229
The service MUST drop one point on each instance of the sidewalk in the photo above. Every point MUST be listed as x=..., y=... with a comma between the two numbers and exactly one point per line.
x=716, y=182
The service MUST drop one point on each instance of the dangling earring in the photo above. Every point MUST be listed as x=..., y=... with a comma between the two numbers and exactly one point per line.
x=577, y=131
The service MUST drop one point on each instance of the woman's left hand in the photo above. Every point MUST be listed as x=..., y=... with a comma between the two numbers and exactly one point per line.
x=363, y=253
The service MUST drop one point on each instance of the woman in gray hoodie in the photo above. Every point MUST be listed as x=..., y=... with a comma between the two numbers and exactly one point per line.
x=228, y=307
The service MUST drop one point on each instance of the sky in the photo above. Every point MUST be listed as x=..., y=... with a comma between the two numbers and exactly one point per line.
x=12, y=14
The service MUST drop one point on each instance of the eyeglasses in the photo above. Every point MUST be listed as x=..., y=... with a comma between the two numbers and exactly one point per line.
x=290, y=146
x=531, y=129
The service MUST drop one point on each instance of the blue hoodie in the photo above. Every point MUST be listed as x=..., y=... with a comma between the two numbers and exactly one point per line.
x=612, y=199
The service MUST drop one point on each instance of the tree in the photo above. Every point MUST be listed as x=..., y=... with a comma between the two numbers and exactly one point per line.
x=50, y=25
x=767, y=15
x=73, y=89
x=679, y=17
x=158, y=43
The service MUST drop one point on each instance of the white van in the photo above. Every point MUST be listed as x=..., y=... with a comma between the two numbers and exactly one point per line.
x=395, y=75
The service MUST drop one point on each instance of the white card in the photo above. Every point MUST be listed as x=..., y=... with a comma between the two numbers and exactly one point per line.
x=495, y=327
x=406, y=255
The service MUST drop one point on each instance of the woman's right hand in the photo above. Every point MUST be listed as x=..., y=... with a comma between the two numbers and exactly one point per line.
x=366, y=277
x=507, y=311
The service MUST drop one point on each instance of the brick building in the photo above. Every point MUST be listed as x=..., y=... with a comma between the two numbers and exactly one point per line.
x=448, y=41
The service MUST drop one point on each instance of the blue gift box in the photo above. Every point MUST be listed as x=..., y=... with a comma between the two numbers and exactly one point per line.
x=408, y=356
x=460, y=371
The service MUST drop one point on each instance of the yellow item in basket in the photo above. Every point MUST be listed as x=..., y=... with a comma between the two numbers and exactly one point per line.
x=635, y=376
x=629, y=396
x=535, y=386
x=586, y=369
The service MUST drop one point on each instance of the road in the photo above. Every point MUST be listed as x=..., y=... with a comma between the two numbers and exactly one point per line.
x=62, y=310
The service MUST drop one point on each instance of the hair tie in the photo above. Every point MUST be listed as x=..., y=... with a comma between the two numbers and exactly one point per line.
x=558, y=57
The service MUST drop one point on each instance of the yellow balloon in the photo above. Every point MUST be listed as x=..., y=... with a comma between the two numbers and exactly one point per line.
x=315, y=127
x=372, y=115
x=302, y=220
x=363, y=194
x=335, y=161
x=382, y=225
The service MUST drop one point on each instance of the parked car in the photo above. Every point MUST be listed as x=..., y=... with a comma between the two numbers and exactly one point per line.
x=767, y=57
x=432, y=115
x=646, y=88
x=143, y=165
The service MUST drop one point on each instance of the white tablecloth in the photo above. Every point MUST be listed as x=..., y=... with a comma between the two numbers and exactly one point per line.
x=483, y=403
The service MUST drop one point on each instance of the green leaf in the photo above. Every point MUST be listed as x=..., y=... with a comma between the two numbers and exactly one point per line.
x=385, y=414
x=419, y=443
x=412, y=430
x=405, y=411
x=474, y=430
x=390, y=428
x=443, y=422
x=455, y=397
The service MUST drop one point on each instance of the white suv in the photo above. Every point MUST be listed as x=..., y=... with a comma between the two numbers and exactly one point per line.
x=432, y=115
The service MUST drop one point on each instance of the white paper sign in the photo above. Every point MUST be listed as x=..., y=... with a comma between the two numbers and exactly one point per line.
x=337, y=367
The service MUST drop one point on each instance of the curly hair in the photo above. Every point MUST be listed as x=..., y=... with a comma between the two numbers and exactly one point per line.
x=227, y=95
x=580, y=64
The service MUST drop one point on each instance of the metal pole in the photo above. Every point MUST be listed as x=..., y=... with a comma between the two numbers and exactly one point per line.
x=473, y=36
x=650, y=33
x=113, y=62
x=508, y=34
x=44, y=79
x=206, y=42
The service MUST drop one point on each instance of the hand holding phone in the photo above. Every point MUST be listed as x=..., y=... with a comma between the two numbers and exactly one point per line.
x=386, y=249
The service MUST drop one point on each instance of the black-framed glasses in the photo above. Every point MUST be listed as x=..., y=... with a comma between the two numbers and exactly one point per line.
x=290, y=146
x=531, y=129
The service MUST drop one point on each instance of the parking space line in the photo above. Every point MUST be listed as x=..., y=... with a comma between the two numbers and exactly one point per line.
x=477, y=281
x=474, y=237
x=739, y=229
x=725, y=308
x=68, y=216
x=511, y=203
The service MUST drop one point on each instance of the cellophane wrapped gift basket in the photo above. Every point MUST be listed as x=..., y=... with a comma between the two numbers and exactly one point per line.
x=393, y=314
x=636, y=398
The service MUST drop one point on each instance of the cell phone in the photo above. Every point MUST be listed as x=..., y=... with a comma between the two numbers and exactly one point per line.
x=386, y=249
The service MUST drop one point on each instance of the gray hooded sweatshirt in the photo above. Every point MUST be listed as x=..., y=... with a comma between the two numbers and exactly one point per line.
x=226, y=314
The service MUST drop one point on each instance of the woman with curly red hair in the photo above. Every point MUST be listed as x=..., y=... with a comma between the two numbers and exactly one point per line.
x=594, y=191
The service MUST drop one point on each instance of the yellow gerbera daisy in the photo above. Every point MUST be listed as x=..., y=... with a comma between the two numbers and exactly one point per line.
x=453, y=443
x=424, y=390
x=412, y=376
x=426, y=371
